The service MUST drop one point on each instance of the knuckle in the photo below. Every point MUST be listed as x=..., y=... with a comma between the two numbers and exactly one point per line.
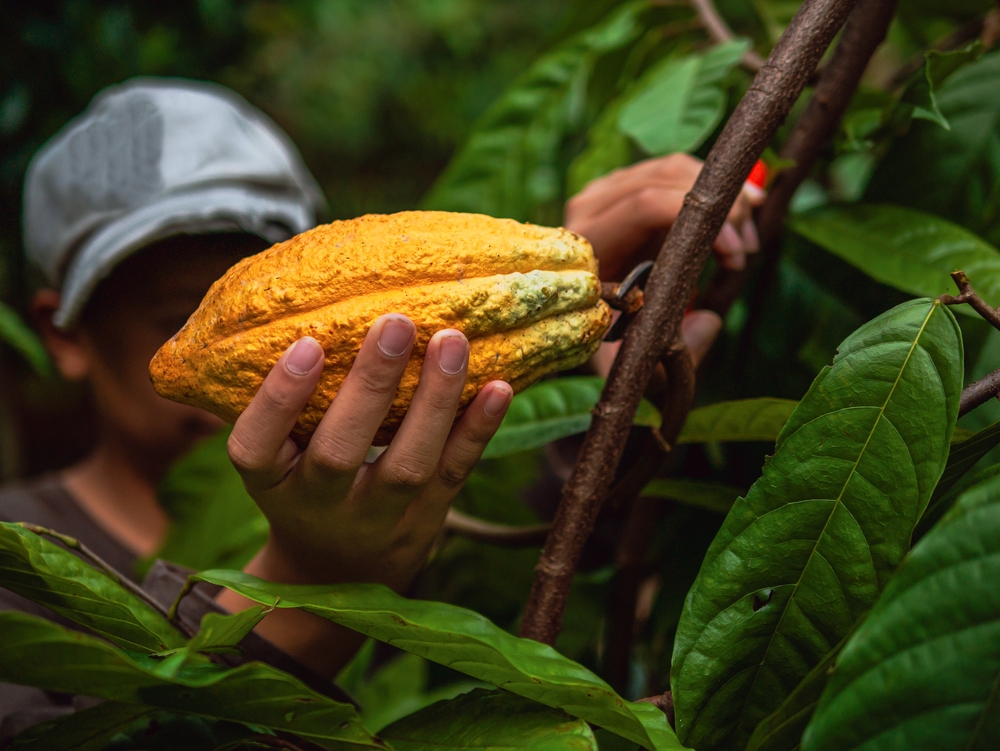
x=401, y=478
x=376, y=383
x=241, y=455
x=647, y=200
x=329, y=457
x=453, y=475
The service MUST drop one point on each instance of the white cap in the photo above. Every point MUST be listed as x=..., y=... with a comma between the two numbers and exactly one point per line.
x=149, y=159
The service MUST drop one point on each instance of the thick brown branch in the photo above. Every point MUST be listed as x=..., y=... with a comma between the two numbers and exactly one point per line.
x=757, y=117
x=495, y=534
x=978, y=393
x=719, y=31
x=864, y=32
x=970, y=297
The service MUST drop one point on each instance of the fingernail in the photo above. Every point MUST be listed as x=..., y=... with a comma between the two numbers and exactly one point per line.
x=751, y=241
x=453, y=353
x=729, y=240
x=303, y=355
x=395, y=337
x=754, y=193
x=497, y=400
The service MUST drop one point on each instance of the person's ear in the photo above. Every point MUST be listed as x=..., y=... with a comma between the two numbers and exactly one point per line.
x=67, y=348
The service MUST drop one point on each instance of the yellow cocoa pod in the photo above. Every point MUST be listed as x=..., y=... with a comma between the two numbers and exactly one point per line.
x=527, y=298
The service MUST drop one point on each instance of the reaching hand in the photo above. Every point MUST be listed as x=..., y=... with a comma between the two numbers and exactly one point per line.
x=624, y=214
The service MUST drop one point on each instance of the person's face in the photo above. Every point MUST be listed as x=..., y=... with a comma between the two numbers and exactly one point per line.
x=144, y=302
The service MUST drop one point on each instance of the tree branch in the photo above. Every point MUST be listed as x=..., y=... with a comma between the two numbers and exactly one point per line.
x=719, y=31
x=495, y=534
x=864, y=32
x=687, y=248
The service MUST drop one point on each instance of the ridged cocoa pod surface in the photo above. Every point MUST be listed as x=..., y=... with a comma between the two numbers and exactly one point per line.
x=527, y=298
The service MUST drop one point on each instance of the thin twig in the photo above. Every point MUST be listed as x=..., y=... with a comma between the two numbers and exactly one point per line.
x=495, y=534
x=719, y=31
x=980, y=392
x=683, y=255
x=864, y=32
x=123, y=581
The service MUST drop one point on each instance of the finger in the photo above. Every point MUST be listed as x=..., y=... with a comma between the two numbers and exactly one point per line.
x=339, y=445
x=699, y=328
x=463, y=449
x=676, y=171
x=412, y=458
x=751, y=241
x=259, y=446
x=729, y=248
x=741, y=211
x=754, y=194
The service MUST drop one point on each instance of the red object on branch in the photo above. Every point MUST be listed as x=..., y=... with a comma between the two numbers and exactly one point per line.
x=758, y=175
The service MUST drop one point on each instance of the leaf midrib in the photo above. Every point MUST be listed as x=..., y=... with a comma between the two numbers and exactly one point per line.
x=833, y=509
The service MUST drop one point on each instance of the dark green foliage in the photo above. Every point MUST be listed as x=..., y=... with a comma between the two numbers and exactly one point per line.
x=816, y=539
x=923, y=671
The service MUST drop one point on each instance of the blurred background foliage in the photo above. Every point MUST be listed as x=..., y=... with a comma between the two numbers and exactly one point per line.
x=507, y=107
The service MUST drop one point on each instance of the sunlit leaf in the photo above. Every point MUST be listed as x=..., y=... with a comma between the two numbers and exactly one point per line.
x=923, y=671
x=467, y=642
x=47, y=574
x=743, y=420
x=489, y=720
x=818, y=536
x=679, y=102
x=40, y=653
x=554, y=409
x=906, y=249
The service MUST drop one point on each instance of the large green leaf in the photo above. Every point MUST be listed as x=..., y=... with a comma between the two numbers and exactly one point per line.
x=607, y=149
x=214, y=523
x=467, y=642
x=921, y=95
x=953, y=173
x=489, y=720
x=815, y=540
x=554, y=409
x=39, y=653
x=906, y=249
x=923, y=671
x=47, y=574
x=14, y=332
x=509, y=165
x=743, y=420
x=679, y=102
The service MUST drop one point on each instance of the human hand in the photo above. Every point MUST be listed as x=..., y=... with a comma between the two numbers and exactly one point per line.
x=625, y=214
x=334, y=518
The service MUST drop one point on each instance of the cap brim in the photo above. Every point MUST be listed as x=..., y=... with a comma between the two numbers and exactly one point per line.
x=267, y=214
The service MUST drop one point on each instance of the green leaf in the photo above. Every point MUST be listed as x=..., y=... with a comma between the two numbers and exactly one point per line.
x=963, y=457
x=509, y=165
x=114, y=726
x=47, y=574
x=554, y=409
x=923, y=671
x=40, y=653
x=714, y=496
x=607, y=149
x=399, y=689
x=14, y=332
x=782, y=729
x=467, y=642
x=214, y=523
x=679, y=102
x=953, y=173
x=742, y=420
x=921, y=95
x=221, y=631
x=815, y=540
x=906, y=249
x=488, y=720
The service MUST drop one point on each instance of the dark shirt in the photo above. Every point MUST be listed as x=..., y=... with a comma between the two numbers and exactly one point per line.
x=47, y=503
